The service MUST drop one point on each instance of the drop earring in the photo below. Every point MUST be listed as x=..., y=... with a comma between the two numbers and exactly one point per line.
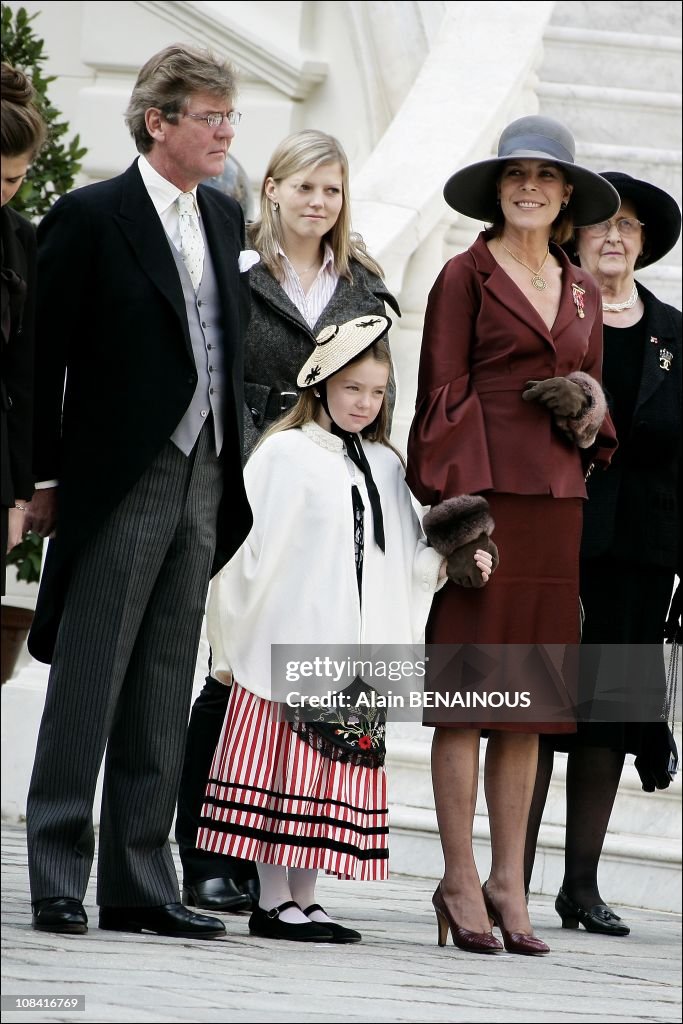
x=276, y=207
x=563, y=206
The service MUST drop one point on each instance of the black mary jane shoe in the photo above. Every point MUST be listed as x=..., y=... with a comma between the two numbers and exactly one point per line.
x=600, y=918
x=267, y=925
x=173, y=920
x=59, y=914
x=217, y=894
x=339, y=932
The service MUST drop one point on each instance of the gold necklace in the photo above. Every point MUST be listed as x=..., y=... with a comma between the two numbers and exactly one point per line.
x=537, y=281
x=306, y=270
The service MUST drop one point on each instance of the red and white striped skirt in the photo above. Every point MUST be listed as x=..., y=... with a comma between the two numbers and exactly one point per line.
x=273, y=799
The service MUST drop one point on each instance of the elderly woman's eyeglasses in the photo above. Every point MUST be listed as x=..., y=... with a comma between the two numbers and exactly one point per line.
x=626, y=226
x=233, y=117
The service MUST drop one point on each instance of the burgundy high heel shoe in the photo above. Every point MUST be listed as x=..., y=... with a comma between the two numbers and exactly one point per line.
x=471, y=942
x=515, y=942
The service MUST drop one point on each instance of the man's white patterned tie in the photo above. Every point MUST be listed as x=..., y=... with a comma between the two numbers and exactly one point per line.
x=191, y=241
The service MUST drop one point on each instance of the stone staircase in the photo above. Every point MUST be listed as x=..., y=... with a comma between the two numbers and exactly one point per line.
x=620, y=93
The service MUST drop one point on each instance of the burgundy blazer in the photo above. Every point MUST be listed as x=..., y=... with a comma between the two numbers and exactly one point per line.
x=482, y=342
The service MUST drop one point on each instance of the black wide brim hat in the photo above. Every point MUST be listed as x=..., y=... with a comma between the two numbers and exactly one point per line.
x=658, y=211
x=473, y=190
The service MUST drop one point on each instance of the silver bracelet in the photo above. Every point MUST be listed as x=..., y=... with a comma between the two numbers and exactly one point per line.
x=22, y=508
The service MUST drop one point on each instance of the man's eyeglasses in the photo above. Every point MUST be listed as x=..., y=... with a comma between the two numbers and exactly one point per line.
x=233, y=117
x=625, y=226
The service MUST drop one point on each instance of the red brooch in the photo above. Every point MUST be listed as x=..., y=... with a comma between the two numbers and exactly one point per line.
x=578, y=294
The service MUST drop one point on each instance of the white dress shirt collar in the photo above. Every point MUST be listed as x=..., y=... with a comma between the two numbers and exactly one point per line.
x=162, y=192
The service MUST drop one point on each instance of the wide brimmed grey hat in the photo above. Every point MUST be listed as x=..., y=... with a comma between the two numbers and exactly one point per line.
x=473, y=190
x=337, y=345
x=657, y=210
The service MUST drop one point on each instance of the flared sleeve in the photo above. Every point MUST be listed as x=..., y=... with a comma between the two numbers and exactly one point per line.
x=447, y=446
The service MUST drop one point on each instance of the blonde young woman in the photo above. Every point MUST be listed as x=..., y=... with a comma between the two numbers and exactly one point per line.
x=313, y=271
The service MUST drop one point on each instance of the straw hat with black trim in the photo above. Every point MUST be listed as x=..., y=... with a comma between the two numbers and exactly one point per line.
x=473, y=190
x=337, y=345
x=657, y=210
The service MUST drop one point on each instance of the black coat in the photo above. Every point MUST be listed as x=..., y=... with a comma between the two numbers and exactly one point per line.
x=111, y=315
x=633, y=512
x=18, y=314
x=279, y=340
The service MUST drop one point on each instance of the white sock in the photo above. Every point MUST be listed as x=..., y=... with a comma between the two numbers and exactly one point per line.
x=275, y=890
x=302, y=887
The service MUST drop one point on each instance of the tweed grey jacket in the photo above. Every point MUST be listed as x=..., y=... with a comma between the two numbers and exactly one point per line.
x=279, y=340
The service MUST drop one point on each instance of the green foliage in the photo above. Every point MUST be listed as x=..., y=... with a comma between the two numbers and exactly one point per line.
x=56, y=166
x=27, y=557
x=52, y=173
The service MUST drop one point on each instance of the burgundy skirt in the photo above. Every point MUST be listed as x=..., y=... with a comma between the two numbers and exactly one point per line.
x=532, y=598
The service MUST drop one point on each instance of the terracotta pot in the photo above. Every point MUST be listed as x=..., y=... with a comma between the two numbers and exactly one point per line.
x=16, y=623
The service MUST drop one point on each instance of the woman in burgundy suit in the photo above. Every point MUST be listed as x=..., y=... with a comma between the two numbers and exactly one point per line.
x=508, y=395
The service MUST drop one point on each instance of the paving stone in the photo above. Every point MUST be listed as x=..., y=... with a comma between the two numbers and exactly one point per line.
x=397, y=975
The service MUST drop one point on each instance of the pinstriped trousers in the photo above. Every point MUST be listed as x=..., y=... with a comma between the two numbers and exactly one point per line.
x=121, y=677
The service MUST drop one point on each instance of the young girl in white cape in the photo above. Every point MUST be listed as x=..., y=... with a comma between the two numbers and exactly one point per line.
x=336, y=555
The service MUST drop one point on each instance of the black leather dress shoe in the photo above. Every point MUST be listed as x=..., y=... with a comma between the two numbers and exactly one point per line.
x=174, y=920
x=252, y=891
x=216, y=894
x=600, y=918
x=267, y=924
x=59, y=914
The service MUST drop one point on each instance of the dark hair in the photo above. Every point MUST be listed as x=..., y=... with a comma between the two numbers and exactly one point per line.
x=23, y=129
x=168, y=80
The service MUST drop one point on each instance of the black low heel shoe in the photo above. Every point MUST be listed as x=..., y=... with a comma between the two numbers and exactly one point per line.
x=267, y=925
x=173, y=920
x=339, y=932
x=600, y=918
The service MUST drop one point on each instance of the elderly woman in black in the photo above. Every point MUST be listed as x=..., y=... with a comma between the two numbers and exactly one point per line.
x=631, y=543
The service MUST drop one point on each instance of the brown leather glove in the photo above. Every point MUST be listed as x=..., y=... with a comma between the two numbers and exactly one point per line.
x=461, y=567
x=562, y=396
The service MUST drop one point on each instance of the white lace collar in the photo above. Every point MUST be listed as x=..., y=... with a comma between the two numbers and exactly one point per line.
x=323, y=437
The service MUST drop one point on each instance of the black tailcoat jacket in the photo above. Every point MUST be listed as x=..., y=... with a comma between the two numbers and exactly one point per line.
x=115, y=370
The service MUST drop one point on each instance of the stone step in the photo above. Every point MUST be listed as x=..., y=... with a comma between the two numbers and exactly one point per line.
x=614, y=115
x=612, y=59
x=638, y=868
x=660, y=166
x=656, y=17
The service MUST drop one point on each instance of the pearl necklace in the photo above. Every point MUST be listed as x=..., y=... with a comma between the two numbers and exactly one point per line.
x=537, y=281
x=619, y=307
